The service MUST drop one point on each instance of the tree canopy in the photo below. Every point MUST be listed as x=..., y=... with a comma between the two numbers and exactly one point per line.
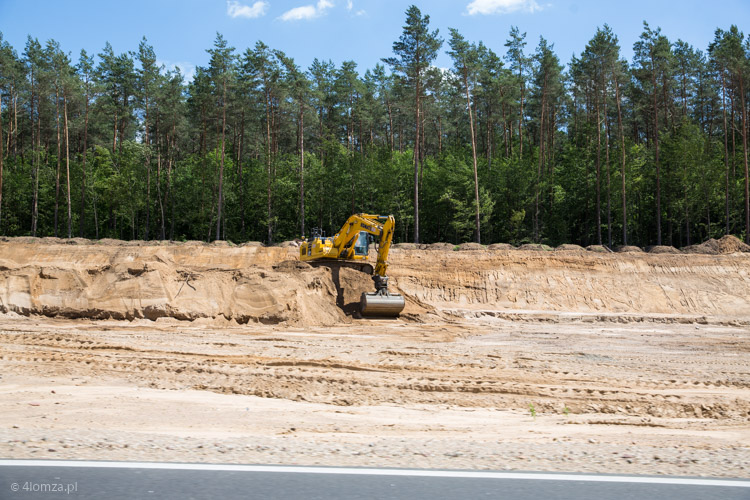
x=514, y=146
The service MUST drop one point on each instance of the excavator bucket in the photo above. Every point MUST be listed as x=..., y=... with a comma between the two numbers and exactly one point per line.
x=381, y=305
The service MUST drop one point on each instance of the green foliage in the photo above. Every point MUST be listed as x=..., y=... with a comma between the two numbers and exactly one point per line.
x=146, y=148
x=516, y=222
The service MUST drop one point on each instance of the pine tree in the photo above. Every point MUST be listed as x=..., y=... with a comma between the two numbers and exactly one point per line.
x=548, y=91
x=299, y=87
x=148, y=79
x=414, y=51
x=652, y=56
x=85, y=70
x=465, y=60
x=221, y=69
x=519, y=66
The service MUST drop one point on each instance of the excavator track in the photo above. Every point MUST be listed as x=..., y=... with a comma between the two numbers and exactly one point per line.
x=362, y=267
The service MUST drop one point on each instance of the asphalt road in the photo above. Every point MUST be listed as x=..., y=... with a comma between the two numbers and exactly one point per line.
x=43, y=479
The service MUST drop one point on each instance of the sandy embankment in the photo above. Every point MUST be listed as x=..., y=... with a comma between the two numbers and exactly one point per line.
x=258, y=284
x=572, y=361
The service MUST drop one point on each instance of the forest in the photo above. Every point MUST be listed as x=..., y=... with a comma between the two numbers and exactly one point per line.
x=511, y=147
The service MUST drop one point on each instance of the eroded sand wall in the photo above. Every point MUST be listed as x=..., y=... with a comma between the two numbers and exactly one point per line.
x=577, y=282
x=252, y=283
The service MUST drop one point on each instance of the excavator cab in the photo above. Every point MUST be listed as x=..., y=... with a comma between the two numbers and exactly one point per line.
x=361, y=246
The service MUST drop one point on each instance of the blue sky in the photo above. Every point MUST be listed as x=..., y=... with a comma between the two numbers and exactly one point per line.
x=360, y=30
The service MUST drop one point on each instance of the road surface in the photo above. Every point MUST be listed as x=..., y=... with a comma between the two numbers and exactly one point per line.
x=47, y=479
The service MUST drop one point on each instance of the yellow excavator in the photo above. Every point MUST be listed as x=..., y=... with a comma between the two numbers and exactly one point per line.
x=350, y=246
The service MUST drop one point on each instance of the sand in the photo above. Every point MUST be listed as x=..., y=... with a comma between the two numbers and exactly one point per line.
x=248, y=284
x=569, y=360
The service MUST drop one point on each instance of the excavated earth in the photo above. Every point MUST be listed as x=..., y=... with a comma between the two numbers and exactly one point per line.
x=569, y=360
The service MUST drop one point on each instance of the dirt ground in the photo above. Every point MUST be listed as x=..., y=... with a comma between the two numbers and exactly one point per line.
x=559, y=361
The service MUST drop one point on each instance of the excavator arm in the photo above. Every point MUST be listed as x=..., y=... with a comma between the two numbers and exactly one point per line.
x=380, y=226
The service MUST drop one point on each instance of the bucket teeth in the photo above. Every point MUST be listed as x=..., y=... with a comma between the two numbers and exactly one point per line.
x=373, y=304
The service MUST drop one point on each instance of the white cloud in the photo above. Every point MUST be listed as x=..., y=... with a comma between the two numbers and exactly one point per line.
x=350, y=9
x=306, y=11
x=236, y=9
x=297, y=13
x=502, y=6
x=186, y=68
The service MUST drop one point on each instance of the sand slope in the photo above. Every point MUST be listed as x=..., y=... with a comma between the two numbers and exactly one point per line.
x=504, y=359
x=259, y=284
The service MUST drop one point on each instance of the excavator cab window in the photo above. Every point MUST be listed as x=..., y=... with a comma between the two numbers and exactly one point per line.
x=361, y=245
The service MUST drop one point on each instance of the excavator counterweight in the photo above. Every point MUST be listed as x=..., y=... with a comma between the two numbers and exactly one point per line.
x=350, y=246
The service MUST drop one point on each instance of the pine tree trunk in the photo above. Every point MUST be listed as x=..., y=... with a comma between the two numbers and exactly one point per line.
x=83, y=176
x=687, y=206
x=302, y=168
x=606, y=163
x=15, y=123
x=34, y=138
x=57, y=175
x=147, y=232
x=170, y=177
x=11, y=104
x=551, y=155
x=505, y=132
x=96, y=217
x=416, y=165
x=667, y=191
x=477, y=225
x=539, y=169
x=10, y=127
x=114, y=134
x=390, y=124
x=575, y=118
x=162, y=199
x=203, y=147
x=744, y=148
x=440, y=135
x=726, y=153
x=147, y=141
x=520, y=113
x=221, y=166
x=490, y=140
x=241, y=174
x=656, y=159
x=622, y=164
x=67, y=166
x=268, y=161
x=422, y=147
x=598, y=170
x=708, y=212
x=171, y=190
